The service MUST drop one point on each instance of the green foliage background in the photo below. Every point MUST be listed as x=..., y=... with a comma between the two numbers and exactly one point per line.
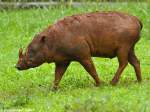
x=74, y=0
x=30, y=89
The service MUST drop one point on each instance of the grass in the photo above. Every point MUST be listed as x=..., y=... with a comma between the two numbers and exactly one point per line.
x=29, y=90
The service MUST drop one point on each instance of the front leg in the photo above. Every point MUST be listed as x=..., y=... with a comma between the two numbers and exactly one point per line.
x=90, y=68
x=59, y=71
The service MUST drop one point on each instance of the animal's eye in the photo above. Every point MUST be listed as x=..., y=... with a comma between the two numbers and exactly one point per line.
x=31, y=55
x=32, y=50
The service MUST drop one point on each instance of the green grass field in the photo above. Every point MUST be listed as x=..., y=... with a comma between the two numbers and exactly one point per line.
x=29, y=90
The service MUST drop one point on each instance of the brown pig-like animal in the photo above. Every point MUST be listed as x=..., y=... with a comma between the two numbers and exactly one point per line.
x=80, y=37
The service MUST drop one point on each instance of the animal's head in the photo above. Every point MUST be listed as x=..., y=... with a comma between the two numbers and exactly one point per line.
x=35, y=54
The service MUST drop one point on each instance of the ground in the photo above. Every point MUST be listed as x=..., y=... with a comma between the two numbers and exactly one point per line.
x=30, y=90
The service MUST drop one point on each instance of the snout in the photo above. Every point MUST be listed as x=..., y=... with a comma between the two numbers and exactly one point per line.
x=23, y=67
x=18, y=67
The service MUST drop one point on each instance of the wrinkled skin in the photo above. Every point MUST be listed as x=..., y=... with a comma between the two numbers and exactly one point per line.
x=34, y=55
x=80, y=37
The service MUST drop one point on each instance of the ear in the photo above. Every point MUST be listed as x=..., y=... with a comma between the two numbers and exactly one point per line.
x=43, y=38
x=20, y=53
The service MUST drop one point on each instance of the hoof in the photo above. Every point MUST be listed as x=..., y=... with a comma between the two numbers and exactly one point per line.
x=97, y=84
x=140, y=80
x=113, y=83
x=54, y=88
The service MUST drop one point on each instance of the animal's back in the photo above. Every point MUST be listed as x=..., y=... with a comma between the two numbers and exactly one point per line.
x=105, y=32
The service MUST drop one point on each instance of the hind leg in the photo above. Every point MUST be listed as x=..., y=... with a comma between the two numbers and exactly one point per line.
x=123, y=61
x=136, y=64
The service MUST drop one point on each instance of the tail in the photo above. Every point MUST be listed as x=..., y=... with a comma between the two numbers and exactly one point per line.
x=141, y=24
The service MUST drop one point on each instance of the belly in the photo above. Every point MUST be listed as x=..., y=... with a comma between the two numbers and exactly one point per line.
x=105, y=52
